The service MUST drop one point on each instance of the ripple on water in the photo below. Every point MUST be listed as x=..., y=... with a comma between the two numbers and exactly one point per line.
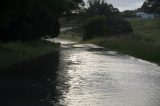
x=98, y=77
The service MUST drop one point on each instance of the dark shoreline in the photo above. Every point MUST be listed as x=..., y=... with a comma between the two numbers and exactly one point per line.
x=35, y=62
x=30, y=83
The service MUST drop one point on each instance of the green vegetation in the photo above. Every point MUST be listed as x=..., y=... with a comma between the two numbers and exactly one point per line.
x=94, y=26
x=129, y=14
x=70, y=36
x=15, y=52
x=26, y=20
x=23, y=22
x=151, y=6
x=103, y=20
x=101, y=8
x=143, y=43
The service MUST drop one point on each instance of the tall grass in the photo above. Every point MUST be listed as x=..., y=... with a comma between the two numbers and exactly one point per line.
x=143, y=43
x=14, y=52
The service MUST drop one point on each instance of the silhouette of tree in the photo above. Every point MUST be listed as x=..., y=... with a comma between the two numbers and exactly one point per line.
x=151, y=6
x=100, y=7
x=31, y=19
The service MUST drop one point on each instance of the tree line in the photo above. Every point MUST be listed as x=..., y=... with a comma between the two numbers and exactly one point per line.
x=151, y=6
x=25, y=20
x=104, y=20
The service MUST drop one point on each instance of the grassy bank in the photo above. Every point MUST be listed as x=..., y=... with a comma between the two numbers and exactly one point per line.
x=14, y=52
x=70, y=36
x=143, y=43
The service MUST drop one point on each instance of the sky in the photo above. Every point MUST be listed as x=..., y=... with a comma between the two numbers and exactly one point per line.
x=125, y=4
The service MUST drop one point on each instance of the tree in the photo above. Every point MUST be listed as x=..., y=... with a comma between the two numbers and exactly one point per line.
x=117, y=26
x=94, y=27
x=31, y=19
x=128, y=14
x=100, y=7
x=105, y=19
x=151, y=6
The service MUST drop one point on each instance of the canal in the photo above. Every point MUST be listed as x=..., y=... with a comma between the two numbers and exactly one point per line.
x=84, y=75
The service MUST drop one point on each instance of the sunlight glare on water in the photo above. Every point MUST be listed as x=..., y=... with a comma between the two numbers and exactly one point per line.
x=97, y=77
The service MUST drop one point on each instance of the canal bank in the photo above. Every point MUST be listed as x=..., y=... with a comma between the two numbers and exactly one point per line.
x=31, y=83
x=143, y=42
x=16, y=53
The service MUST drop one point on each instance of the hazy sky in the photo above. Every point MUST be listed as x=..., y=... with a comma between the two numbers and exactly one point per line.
x=125, y=4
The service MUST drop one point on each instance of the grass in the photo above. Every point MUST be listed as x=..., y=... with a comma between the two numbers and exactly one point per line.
x=143, y=43
x=70, y=36
x=14, y=52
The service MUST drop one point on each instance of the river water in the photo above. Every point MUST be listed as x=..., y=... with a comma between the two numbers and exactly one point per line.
x=99, y=77
x=85, y=75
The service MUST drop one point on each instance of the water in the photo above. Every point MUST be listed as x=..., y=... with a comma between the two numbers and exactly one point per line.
x=98, y=77
x=84, y=75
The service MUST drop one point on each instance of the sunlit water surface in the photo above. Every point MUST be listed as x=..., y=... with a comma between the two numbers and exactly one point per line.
x=95, y=76
x=82, y=75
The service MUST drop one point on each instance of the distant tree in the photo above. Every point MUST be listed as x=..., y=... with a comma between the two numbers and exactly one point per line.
x=104, y=19
x=128, y=14
x=74, y=6
x=151, y=6
x=100, y=7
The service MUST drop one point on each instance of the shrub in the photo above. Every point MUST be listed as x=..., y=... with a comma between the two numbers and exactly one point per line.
x=94, y=27
x=26, y=20
x=100, y=26
x=118, y=25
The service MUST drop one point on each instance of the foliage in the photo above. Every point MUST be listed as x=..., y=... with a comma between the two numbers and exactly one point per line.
x=101, y=26
x=105, y=20
x=31, y=19
x=143, y=43
x=128, y=14
x=94, y=27
x=152, y=6
x=74, y=5
x=14, y=52
x=100, y=7
x=118, y=25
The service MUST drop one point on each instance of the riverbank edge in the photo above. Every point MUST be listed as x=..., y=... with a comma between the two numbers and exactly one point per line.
x=39, y=64
x=128, y=45
x=127, y=48
x=31, y=59
x=143, y=42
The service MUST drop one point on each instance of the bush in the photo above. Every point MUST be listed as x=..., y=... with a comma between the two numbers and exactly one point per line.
x=100, y=26
x=118, y=25
x=94, y=27
x=25, y=20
